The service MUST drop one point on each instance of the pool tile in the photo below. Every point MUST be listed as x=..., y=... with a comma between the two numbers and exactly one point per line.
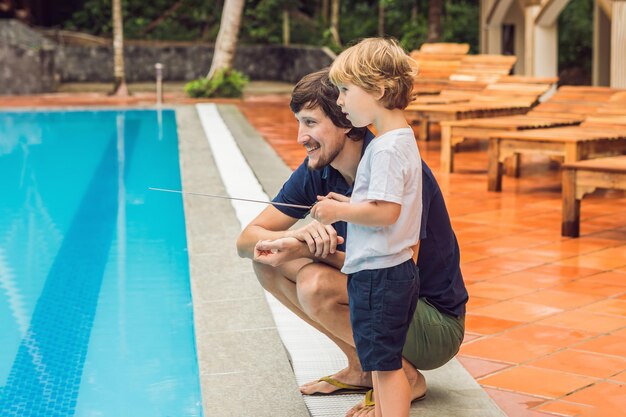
x=496, y=291
x=548, y=335
x=584, y=286
x=582, y=363
x=504, y=349
x=609, y=277
x=609, y=345
x=579, y=246
x=620, y=377
x=468, y=337
x=537, y=381
x=608, y=397
x=516, y=405
x=559, y=299
x=481, y=367
x=519, y=310
x=565, y=408
x=477, y=302
x=582, y=320
x=568, y=271
x=532, y=279
x=487, y=325
x=594, y=261
x=611, y=307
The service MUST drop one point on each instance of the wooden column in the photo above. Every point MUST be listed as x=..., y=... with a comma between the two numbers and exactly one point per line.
x=618, y=44
x=601, y=70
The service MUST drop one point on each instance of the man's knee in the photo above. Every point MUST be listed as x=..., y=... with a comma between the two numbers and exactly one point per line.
x=266, y=275
x=320, y=287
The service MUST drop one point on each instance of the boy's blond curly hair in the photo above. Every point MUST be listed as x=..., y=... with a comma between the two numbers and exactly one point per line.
x=375, y=65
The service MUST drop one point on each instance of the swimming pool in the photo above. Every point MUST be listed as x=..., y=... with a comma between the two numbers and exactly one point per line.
x=95, y=303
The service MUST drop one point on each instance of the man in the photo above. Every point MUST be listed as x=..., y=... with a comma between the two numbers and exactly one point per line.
x=301, y=267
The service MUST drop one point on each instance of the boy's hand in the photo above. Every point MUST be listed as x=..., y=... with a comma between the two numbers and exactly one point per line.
x=327, y=210
x=334, y=196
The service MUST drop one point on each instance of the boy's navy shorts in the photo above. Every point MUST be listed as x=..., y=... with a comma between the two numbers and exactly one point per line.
x=382, y=303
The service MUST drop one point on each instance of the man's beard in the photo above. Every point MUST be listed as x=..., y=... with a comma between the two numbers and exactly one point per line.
x=322, y=162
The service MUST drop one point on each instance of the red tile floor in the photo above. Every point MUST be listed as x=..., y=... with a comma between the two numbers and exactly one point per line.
x=546, y=323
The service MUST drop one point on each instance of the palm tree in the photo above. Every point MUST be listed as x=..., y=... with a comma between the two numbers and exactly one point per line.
x=435, y=9
x=334, y=21
x=119, y=86
x=226, y=43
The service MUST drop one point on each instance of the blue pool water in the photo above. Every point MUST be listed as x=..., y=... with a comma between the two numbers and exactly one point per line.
x=95, y=304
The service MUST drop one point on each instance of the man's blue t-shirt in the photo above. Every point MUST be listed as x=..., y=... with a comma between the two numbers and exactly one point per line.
x=441, y=282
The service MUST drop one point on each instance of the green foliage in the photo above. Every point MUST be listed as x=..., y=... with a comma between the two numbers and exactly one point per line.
x=576, y=36
x=193, y=20
x=460, y=23
x=224, y=83
x=262, y=21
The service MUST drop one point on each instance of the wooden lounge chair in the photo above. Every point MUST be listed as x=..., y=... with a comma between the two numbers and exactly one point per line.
x=568, y=106
x=504, y=103
x=583, y=177
x=596, y=137
x=436, y=62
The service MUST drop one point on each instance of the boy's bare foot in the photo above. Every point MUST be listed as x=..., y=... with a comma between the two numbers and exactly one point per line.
x=345, y=376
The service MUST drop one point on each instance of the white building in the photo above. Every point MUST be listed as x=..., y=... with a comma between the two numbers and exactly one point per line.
x=528, y=29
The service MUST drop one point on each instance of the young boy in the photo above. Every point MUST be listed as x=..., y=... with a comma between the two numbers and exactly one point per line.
x=375, y=81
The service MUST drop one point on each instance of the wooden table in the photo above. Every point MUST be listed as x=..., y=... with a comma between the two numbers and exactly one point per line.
x=583, y=177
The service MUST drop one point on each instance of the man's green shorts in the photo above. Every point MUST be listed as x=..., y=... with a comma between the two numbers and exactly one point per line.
x=433, y=337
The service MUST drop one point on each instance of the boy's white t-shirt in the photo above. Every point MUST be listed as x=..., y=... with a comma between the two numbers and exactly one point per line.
x=390, y=170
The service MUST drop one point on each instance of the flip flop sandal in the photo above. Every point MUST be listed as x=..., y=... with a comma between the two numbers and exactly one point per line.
x=369, y=399
x=343, y=388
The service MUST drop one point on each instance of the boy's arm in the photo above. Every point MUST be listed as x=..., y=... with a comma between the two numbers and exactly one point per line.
x=368, y=213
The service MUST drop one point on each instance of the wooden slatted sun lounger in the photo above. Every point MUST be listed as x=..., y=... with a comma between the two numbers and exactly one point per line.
x=478, y=107
x=568, y=106
x=584, y=177
x=596, y=137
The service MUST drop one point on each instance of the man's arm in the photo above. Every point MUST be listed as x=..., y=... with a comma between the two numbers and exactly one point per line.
x=271, y=224
x=279, y=251
x=315, y=240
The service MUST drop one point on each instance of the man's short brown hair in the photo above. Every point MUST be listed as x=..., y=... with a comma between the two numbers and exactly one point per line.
x=377, y=65
x=316, y=90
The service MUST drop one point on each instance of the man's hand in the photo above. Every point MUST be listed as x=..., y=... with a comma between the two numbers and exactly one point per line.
x=327, y=208
x=321, y=239
x=277, y=252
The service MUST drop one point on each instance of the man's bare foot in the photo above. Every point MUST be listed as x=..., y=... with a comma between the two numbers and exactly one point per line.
x=418, y=391
x=346, y=376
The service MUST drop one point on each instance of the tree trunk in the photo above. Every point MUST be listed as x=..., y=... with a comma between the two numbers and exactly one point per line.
x=414, y=10
x=324, y=12
x=286, y=31
x=381, y=17
x=435, y=9
x=119, y=86
x=226, y=43
x=334, y=22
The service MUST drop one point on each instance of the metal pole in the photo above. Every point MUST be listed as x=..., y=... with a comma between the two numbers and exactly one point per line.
x=159, y=83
